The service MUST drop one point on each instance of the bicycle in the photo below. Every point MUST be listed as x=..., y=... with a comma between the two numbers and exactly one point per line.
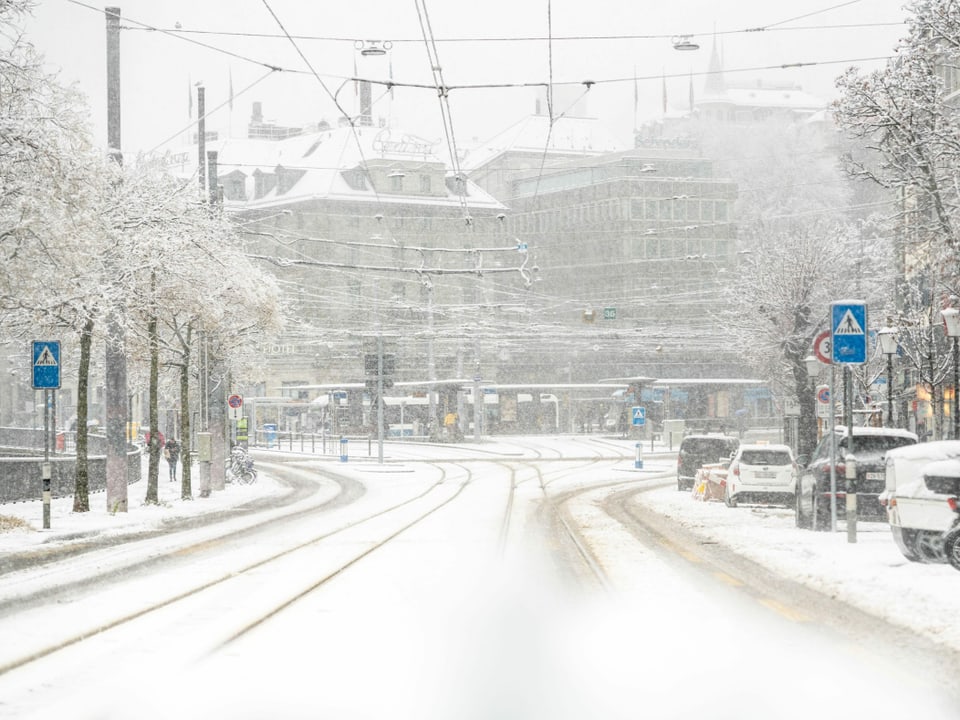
x=239, y=467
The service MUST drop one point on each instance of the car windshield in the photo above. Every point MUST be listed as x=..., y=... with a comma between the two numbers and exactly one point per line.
x=765, y=457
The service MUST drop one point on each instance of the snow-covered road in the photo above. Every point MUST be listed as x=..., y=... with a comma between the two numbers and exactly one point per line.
x=471, y=612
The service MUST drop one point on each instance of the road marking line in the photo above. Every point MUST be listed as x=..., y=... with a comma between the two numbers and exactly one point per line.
x=781, y=609
x=728, y=579
x=685, y=554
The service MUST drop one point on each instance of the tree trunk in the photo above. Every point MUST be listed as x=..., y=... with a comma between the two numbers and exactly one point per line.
x=186, y=489
x=81, y=493
x=153, y=466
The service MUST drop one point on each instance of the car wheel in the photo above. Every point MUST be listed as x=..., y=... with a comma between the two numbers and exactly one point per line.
x=951, y=547
x=906, y=540
x=804, y=522
x=728, y=499
x=929, y=546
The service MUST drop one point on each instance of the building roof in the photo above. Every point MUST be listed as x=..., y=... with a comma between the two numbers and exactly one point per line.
x=767, y=97
x=320, y=158
x=533, y=134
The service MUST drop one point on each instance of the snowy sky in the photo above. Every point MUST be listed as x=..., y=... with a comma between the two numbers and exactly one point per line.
x=158, y=68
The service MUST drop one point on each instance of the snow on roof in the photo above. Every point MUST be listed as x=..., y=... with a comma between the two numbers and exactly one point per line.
x=322, y=156
x=569, y=135
x=936, y=450
x=767, y=97
x=867, y=431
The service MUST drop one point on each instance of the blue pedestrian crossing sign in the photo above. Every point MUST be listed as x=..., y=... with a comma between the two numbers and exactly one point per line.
x=639, y=415
x=849, y=332
x=46, y=364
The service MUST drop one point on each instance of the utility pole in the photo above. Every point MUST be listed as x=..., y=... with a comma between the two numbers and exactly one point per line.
x=201, y=140
x=115, y=361
x=216, y=395
x=380, y=398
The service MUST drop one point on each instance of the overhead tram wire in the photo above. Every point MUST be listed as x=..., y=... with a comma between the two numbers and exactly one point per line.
x=546, y=144
x=179, y=35
x=446, y=115
x=332, y=96
x=213, y=110
x=810, y=14
x=617, y=80
x=536, y=38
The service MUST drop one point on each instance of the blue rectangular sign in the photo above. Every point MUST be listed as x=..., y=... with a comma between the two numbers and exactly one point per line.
x=848, y=328
x=46, y=364
x=639, y=415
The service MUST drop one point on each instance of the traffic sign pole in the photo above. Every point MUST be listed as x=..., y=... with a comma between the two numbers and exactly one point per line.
x=46, y=377
x=46, y=468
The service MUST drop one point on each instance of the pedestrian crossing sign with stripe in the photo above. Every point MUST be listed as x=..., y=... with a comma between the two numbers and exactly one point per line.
x=639, y=415
x=848, y=330
x=46, y=364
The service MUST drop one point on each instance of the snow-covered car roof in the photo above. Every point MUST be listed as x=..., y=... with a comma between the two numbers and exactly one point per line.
x=764, y=446
x=943, y=468
x=863, y=431
x=930, y=451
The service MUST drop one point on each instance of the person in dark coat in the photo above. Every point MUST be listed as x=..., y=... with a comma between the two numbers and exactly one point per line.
x=171, y=451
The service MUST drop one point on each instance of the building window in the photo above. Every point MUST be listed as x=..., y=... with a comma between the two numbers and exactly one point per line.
x=396, y=182
x=425, y=184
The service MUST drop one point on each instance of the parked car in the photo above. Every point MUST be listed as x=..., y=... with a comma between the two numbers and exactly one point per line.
x=870, y=446
x=761, y=473
x=697, y=450
x=919, y=480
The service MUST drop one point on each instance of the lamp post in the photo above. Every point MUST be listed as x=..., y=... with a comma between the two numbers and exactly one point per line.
x=888, y=346
x=951, y=320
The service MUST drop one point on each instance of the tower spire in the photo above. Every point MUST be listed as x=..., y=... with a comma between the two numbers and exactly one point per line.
x=715, y=84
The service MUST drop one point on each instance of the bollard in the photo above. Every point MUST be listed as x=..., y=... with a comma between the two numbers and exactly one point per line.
x=638, y=463
x=851, y=477
x=46, y=469
x=343, y=449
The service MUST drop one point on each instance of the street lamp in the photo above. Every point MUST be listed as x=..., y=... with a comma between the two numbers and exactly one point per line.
x=951, y=319
x=888, y=346
x=684, y=43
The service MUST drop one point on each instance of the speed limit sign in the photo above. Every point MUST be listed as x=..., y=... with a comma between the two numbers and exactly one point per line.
x=822, y=349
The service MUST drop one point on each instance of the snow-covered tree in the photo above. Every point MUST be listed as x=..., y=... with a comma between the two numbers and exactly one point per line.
x=51, y=203
x=82, y=239
x=907, y=115
x=189, y=276
x=803, y=244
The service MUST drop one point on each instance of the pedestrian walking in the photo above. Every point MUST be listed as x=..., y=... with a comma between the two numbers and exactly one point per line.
x=171, y=451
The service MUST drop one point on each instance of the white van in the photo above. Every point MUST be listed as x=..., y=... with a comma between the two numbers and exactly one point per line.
x=918, y=480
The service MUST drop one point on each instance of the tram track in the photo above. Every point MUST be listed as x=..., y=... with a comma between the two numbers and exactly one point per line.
x=96, y=626
x=332, y=552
